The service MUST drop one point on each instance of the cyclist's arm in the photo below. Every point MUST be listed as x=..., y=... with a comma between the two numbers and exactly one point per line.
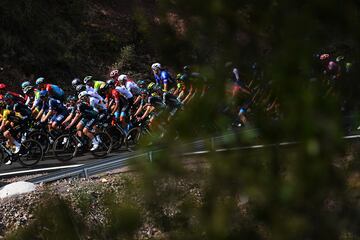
x=46, y=117
x=149, y=109
x=71, y=115
x=77, y=116
x=39, y=114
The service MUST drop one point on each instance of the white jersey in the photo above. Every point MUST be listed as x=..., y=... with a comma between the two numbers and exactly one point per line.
x=124, y=91
x=133, y=87
x=95, y=99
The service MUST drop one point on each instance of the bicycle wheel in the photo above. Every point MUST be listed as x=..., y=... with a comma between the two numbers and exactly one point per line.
x=65, y=147
x=42, y=138
x=117, y=138
x=31, y=152
x=105, y=144
x=133, y=137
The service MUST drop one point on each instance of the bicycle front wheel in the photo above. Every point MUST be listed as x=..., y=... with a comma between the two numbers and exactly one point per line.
x=31, y=152
x=105, y=144
x=65, y=147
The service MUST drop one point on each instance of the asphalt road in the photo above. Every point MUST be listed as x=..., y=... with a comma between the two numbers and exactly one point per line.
x=50, y=161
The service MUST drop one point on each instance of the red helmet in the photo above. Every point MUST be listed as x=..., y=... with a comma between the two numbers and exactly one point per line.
x=2, y=86
x=114, y=73
x=324, y=56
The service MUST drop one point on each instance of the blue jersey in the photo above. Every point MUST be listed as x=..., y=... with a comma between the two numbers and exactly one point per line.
x=55, y=91
x=163, y=78
x=57, y=106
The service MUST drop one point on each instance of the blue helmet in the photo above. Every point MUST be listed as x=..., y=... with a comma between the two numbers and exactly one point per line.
x=40, y=80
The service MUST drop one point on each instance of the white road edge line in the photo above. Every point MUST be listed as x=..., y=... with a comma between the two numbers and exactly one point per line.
x=40, y=170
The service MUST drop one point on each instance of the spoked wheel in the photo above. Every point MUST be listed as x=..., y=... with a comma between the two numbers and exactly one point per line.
x=105, y=144
x=117, y=138
x=42, y=138
x=65, y=147
x=133, y=137
x=31, y=152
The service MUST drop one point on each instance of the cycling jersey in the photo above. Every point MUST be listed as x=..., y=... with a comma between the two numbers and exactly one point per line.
x=163, y=78
x=71, y=109
x=133, y=87
x=99, y=85
x=57, y=106
x=171, y=101
x=16, y=97
x=124, y=91
x=156, y=102
x=55, y=92
x=87, y=111
x=16, y=112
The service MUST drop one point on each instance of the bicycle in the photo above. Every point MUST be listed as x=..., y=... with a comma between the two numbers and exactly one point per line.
x=29, y=155
x=69, y=145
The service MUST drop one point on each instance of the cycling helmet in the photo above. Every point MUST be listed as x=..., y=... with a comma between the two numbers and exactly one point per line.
x=156, y=66
x=122, y=78
x=80, y=88
x=348, y=66
x=27, y=89
x=340, y=58
x=8, y=97
x=83, y=94
x=110, y=83
x=2, y=86
x=25, y=84
x=141, y=83
x=87, y=79
x=71, y=98
x=75, y=82
x=40, y=80
x=43, y=93
x=113, y=73
x=151, y=86
x=324, y=56
x=186, y=68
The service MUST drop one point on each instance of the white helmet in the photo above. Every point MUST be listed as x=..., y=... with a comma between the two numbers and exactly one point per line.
x=122, y=78
x=156, y=66
x=82, y=94
x=87, y=79
x=113, y=73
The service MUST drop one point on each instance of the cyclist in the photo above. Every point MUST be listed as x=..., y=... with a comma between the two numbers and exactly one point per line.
x=188, y=84
x=116, y=102
x=57, y=111
x=17, y=97
x=53, y=90
x=114, y=75
x=19, y=116
x=29, y=95
x=238, y=84
x=162, y=77
x=88, y=118
x=123, y=90
x=92, y=85
x=71, y=108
